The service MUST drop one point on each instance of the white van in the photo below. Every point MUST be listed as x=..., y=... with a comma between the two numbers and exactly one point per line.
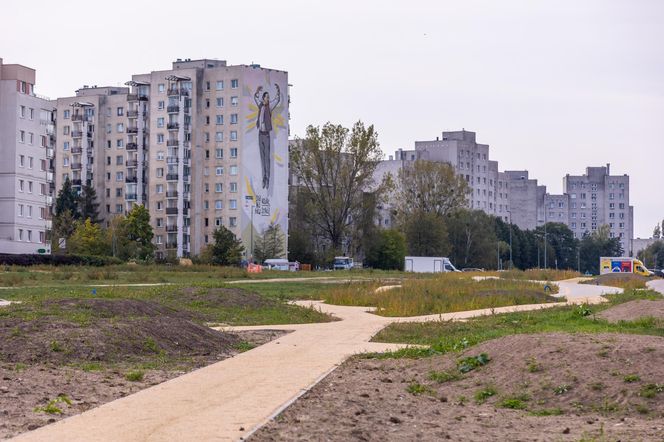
x=277, y=264
x=428, y=264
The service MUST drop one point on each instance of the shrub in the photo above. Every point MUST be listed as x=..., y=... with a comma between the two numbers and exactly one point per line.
x=57, y=260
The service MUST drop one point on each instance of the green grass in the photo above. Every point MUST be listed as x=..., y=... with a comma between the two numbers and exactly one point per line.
x=539, y=274
x=439, y=294
x=482, y=395
x=135, y=376
x=446, y=336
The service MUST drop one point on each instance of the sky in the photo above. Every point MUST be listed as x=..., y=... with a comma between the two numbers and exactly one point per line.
x=552, y=86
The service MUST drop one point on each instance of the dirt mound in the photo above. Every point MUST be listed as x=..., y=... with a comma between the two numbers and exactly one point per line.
x=632, y=310
x=227, y=297
x=108, y=330
x=533, y=387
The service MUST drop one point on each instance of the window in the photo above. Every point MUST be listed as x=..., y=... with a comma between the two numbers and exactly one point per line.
x=232, y=221
x=66, y=114
x=234, y=101
x=31, y=138
x=233, y=187
x=160, y=138
x=233, y=118
x=21, y=136
x=118, y=208
x=219, y=137
x=233, y=170
x=120, y=127
x=233, y=135
x=20, y=210
x=220, y=85
x=232, y=204
x=65, y=146
x=220, y=101
x=160, y=122
x=233, y=152
x=159, y=239
x=119, y=143
x=160, y=188
x=160, y=172
x=220, y=119
x=234, y=84
x=118, y=191
x=20, y=234
x=119, y=160
x=207, y=86
x=218, y=187
x=161, y=87
x=31, y=162
x=119, y=176
x=21, y=111
x=219, y=171
x=161, y=105
x=29, y=186
x=65, y=161
x=218, y=205
x=160, y=155
x=219, y=153
x=120, y=111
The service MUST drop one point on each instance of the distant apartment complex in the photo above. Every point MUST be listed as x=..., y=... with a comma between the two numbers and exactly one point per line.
x=201, y=145
x=26, y=140
x=588, y=201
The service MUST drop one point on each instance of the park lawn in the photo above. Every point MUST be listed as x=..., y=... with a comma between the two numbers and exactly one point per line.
x=446, y=336
x=443, y=293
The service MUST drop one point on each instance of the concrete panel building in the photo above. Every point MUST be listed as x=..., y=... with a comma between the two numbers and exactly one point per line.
x=26, y=137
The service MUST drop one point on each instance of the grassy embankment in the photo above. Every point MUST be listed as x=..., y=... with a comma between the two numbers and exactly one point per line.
x=446, y=336
x=443, y=293
x=627, y=281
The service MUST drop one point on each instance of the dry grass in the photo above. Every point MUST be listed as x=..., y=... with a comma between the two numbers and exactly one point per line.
x=627, y=281
x=539, y=274
x=441, y=294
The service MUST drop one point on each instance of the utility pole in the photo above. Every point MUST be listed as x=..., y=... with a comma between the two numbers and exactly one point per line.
x=510, y=238
x=545, y=239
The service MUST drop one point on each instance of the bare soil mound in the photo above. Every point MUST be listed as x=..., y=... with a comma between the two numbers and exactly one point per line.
x=108, y=330
x=633, y=310
x=533, y=387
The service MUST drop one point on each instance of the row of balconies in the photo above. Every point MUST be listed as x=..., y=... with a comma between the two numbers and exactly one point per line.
x=177, y=92
x=76, y=150
x=137, y=97
x=175, y=211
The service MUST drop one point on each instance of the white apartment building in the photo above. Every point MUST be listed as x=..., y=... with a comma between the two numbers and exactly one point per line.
x=26, y=137
x=193, y=143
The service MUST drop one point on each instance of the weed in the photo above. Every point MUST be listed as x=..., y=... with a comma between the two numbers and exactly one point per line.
x=514, y=403
x=56, y=346
x=603, y=353
x=649, y=391
x=597, y=386
x=52, y=406
x=642, y=409
x=472, y=362
x=584, y=310
x=244, y=346
x=91, y=366
x=443, y=376
x=151, y=345
x=461, y=400
x=416, y=388
x=18, y=367
x=632, y=378
x=547, y=412
x=135, y=375
x=533, y=366
x=482, y=395
x=561, y=389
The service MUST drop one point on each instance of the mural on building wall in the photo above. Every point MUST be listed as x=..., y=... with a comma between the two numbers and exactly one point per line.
x=264, y=152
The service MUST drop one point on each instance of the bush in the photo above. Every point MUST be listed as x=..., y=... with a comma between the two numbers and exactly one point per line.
x=57, y=260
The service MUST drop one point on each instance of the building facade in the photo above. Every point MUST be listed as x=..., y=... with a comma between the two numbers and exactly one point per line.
x=26, y=149
x=201, y=145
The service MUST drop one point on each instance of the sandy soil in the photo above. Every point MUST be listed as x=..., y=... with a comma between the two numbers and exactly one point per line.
x=602, y=386
x=629, y=311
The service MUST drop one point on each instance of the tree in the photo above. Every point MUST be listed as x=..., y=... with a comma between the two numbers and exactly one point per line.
x=64, y=226
x=426, y=235
x=653, y=255
x=67, y=200
x=89, y=239
x=562, y=247
x=472, y=238
x=388, y=251
x=429, y=187
x=225, y=249
x=270, y=244
x=597, y=244
x=335, y=167
x=657, y=232
x=137, y=234
x=88, y=205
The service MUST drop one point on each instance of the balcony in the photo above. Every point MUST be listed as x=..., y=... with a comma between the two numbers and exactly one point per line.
x=171, y=194
x=78, y=117
x=185, y=211
x=172, y=160
x=49, y=177
x=49, y=224
x=172, y=143
x=187, y=178
x=77, y=134
x=131, y=146
x=131, y=197
x=76, y=150
x=132, y=130
x=49, y=200
x=76, y=166
x=132, y=114
x=131, y=179
x=50, y=153
x=175, y=92
x=173, y=109
x=171, y=210
x=76, y=182
x=173, y=126
x=171, y=228
x=172, y=177
x=172, y=245
x=132, y=163
x=137, y=97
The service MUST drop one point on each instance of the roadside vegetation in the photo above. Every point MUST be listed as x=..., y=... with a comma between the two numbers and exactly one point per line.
x=539, y=274
x=627, y=281
x=444, y=293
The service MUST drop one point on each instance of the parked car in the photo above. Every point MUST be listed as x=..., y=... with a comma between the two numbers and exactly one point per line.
x=658, y=272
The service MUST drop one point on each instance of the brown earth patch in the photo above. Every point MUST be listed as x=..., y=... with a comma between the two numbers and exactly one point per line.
x=23, y=388
x=632, y=310
x=603, y=386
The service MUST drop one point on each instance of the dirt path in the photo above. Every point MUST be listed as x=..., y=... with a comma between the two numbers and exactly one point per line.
x=230, y=399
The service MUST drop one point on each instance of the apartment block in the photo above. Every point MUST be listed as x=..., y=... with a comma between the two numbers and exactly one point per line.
x=201, y=145
x=526, y=199
x=26, y=149
x=597, y=198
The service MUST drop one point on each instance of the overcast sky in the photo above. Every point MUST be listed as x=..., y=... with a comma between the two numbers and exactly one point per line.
x=553, y=86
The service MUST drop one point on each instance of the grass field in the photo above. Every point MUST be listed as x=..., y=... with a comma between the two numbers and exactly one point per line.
x=443, y=293
x=627, y=281
x=446, y=336
x=539, y=274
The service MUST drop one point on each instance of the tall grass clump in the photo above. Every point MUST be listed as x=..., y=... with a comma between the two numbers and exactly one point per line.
x=539, y=274
x=440, y=294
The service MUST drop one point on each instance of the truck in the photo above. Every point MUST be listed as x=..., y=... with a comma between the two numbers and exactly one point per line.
x=622, y=264
x=342, y=263
x=428, y=264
